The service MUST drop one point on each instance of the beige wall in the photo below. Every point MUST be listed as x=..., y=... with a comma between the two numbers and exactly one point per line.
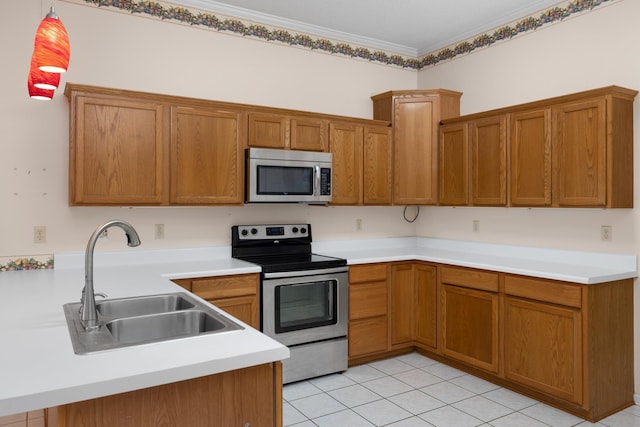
x=599, y=48
x=115, y=49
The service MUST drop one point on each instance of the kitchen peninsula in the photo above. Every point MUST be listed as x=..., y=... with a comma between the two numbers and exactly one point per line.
x=46, y=373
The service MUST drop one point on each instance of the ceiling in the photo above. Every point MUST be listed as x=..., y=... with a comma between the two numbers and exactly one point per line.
x=407, y=27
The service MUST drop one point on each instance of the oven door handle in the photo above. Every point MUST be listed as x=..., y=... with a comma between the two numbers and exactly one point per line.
x=319, y=272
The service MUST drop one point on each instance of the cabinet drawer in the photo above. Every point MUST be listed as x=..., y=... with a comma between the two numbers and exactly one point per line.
x=368, y=336
x=225, y=286
x=367, y=273
x=368, y=300
x=470, y=278
x=544, y=290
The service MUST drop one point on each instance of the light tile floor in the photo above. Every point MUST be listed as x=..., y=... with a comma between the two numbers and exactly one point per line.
x=415, y=391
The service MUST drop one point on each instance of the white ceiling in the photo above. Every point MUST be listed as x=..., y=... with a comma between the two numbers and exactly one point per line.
x=407, y=27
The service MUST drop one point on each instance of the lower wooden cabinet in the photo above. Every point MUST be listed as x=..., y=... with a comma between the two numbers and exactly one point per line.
x=542, y=347
x=238, y=295
x=567, y=344
x=413, y=305
x=469, y=323
x=39, y=418
x=368, y=301
x=245, y=397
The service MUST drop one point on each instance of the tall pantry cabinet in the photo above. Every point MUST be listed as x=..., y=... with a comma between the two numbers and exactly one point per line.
x=415, y=115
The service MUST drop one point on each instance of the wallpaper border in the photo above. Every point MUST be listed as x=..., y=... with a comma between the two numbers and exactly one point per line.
x=197, y=18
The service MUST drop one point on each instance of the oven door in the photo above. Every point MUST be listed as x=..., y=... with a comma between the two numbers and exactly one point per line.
x=311, y=306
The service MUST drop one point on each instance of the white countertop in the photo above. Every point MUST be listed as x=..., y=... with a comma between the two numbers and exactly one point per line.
x=40, y=369
x=571, y=266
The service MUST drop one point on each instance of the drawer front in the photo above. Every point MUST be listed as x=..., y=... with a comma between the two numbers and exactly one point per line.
x=367, y=300
x=368, y=336
x=544, y=290
x=469, y=278
x=367, y=273
x=226, y=286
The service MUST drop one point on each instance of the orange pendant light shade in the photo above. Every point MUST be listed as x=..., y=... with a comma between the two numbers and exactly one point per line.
x=42, y=79
x=51, y=47
x=37, y=93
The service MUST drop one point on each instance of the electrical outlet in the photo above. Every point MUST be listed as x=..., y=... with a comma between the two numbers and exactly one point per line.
x=39, y=234
x=358, y=224
x=159, y=231
x=606, y=233
x=476, y=225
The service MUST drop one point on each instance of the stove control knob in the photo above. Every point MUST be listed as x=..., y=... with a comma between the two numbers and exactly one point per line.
x=303, y=230
x=244, y=232
x=294, y=229
x=254, y=231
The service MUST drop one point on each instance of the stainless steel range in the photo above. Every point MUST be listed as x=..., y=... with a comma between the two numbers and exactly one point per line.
x=305, y=296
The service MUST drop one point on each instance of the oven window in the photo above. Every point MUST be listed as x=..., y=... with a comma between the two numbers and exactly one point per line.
x=274, y=180
x=306, y=305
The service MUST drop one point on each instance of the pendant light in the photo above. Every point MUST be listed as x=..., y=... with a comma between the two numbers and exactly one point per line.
x=42, y=79
x=37, y=93
x=51, y=47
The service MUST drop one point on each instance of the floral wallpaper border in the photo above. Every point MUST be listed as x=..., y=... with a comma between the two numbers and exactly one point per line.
x=232, y=25
x=36, y=262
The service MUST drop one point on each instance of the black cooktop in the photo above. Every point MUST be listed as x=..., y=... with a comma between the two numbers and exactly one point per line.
x=279, y=248
x=294, y=262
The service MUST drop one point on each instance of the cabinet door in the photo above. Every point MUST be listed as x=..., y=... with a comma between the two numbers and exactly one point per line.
x=425, y=291
x=530, y=175
x=454, y=165
x=244, y=308
x=345, y=143
x=580, y=148
x=117, y=152
x=542, y=347
x=402, y=301
x=377, y=161
x=415, y=150
x=488, y=144
x=309, y=134
x=268, y=131
x=206, y=156
x=470, y=326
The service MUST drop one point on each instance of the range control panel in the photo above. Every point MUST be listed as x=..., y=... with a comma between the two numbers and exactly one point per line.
x=273, y=231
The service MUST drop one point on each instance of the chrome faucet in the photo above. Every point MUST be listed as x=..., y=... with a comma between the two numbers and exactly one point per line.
x=89, y=316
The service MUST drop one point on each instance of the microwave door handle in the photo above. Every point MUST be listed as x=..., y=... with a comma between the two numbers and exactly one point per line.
x=316, y=181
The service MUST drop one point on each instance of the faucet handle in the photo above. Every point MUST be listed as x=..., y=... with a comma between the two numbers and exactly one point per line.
x=100, y=294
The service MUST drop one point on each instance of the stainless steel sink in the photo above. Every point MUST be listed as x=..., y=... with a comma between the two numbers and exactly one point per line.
x=134, y=321
x=163, y=326
x=139, y=306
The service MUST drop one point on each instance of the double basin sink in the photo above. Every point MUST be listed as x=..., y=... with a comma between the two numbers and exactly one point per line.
x=133, y=321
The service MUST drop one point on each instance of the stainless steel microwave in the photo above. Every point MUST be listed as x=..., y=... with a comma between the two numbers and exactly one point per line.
x=287, y=176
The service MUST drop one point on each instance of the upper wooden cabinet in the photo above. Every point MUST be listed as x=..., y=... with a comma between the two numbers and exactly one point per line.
x=415, y=115
x=361, y=164
x=206, y=156
x=453, y=171
x=570, y=151
x=287, y=132
x=117, y=150
x=488, y=145
x=138, y=148
x=134, y=148
x=530, y=160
